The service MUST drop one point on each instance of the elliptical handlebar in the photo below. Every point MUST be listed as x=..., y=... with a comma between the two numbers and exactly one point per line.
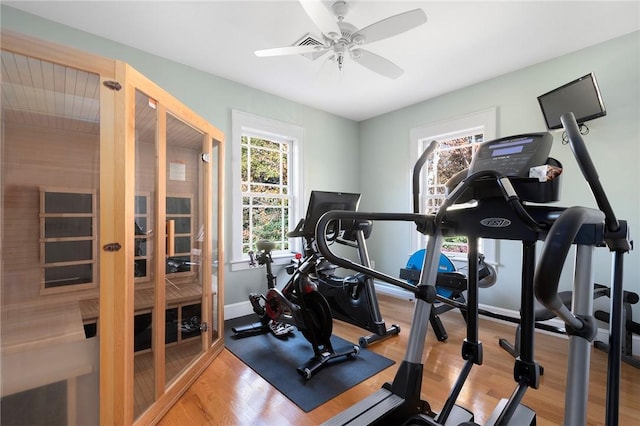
x=321, y=241
x=554, y=253
x=581, y=154
x=417, y=168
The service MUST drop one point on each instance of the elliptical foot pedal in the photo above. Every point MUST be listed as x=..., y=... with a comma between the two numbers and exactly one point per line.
x=523, y=415
x=368, y=410
x=457, y=417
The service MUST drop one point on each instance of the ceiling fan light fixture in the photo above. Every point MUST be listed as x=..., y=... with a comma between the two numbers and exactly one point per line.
x=340, y=37
x=340, y=9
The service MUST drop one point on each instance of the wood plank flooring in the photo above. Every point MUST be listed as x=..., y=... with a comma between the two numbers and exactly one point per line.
x=230, y=393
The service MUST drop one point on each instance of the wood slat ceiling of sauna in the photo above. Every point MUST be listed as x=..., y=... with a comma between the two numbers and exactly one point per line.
x=179, y=133
x=44, y=94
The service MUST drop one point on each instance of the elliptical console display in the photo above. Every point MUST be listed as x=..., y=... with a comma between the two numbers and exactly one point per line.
x=513, y=156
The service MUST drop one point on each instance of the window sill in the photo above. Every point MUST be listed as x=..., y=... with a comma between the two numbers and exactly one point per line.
x=243, y=264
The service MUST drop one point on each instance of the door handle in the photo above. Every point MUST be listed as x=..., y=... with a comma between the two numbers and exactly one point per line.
x=171, y=234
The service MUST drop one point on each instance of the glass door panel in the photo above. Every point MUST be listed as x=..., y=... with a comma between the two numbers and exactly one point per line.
x=184, y=211
x=146, y=154
x=50, y=177
x=215, y=328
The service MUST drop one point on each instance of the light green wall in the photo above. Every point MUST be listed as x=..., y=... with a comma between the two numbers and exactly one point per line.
x=373, y=156
x=614, y=143
x=330, y=142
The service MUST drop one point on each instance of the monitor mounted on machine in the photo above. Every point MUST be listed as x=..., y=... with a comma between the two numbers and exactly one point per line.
x=581, y=97
x=321, y=202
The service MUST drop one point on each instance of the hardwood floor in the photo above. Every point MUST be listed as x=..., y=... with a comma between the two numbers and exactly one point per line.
x=177, y=357
x=230, y=393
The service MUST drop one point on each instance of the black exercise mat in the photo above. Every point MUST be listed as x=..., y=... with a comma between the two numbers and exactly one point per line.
x=276, y=361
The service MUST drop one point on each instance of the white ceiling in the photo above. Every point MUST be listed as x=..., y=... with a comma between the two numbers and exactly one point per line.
x=462, y=43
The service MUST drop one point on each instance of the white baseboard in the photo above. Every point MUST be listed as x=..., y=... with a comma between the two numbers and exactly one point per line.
x=240, y=309
x=391, y=290
x=236, y=310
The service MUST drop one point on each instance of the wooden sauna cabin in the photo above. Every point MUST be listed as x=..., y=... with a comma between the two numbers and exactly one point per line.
x=111, y=295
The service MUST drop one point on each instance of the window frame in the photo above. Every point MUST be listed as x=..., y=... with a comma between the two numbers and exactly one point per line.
x=485, y=121
x=247, y=124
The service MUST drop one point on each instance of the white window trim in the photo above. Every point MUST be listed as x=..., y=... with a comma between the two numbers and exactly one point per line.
x=441, y=130
x=241, y=123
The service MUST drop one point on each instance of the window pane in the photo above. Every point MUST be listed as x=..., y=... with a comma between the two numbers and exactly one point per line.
x=246, y=228
x=265, y=180
x=141, y=225
x=60, y=227
x=452, y=156
x=267, y=223
x=265, y=143
x=244, y=170
x=285, y=169
x=182, y=225
x=265, y=166
x=140, y=268
x=451, y=162
x=67, y=202
x=68, y=251
x=178, y=205
x=265, y=189
x=268, y=201
x=67, y=275
x=183, y=244
x=455, y=143
x=140, y=248
x=141, y=204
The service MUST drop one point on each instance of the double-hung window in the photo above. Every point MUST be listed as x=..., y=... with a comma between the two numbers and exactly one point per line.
x=457, y=141
x=267, y=185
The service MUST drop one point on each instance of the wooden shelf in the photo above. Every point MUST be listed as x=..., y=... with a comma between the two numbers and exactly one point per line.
x=144, y=298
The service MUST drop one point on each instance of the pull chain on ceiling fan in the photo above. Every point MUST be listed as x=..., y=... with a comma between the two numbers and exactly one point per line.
x=342, y=38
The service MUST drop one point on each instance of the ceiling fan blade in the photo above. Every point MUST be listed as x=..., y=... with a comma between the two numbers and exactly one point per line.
x=392, y=26
x=377, y=63
x=290, y=50
x=321, y=17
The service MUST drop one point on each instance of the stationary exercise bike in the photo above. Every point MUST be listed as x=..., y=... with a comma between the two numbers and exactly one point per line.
x=298, y=304
x=351, y=299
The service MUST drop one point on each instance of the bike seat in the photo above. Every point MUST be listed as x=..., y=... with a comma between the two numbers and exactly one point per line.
x=265, y=245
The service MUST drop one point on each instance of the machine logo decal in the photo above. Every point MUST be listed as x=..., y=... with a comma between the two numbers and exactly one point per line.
x=495, y=222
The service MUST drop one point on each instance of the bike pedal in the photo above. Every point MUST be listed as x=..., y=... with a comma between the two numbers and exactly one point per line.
x=280, y=329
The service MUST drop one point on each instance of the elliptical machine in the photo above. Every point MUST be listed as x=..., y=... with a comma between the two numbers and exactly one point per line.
x=495, y=181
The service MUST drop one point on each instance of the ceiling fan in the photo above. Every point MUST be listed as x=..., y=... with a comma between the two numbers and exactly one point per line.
x=342, y=38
